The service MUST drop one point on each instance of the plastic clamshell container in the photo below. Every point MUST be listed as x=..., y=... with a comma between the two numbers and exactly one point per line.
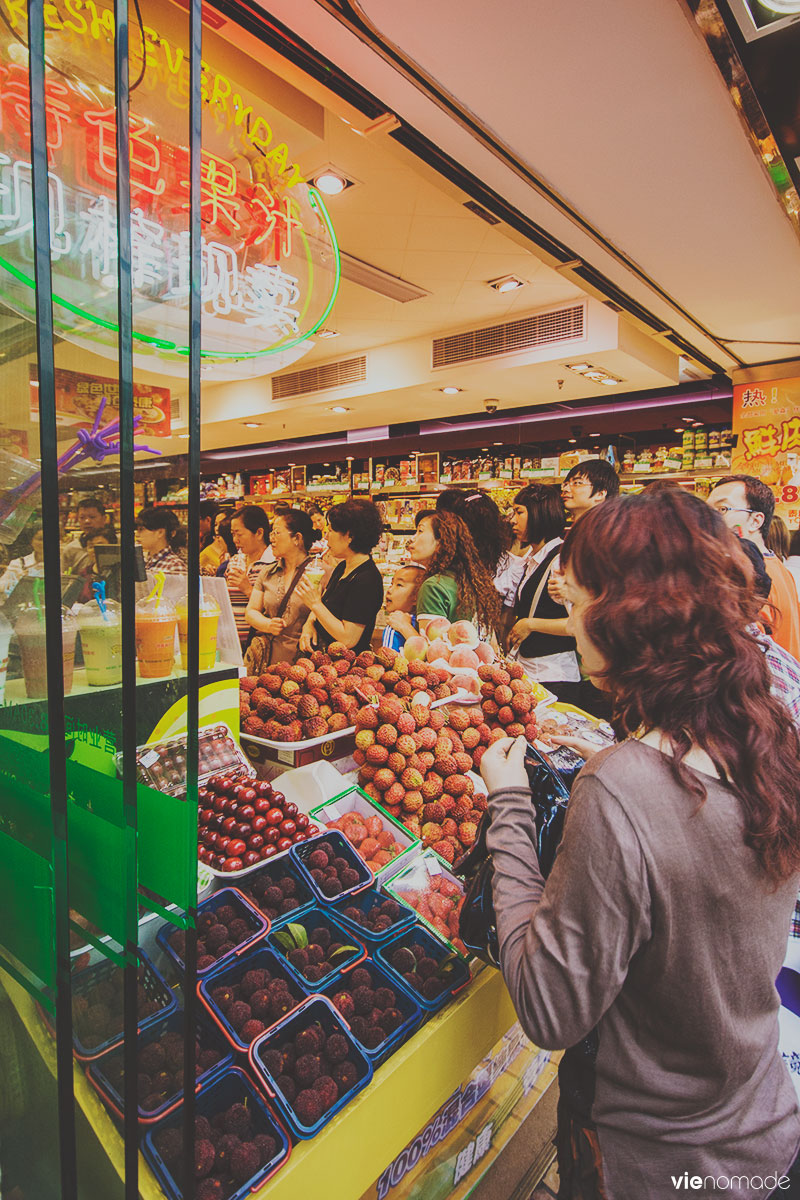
x=459, y=972
x=273, y=869
x=364, y=902
x=101, y=1071
x=407, y=1004
x=258, y=923
x=303, y=851
x=154, y=985
x=314, y=1009
x=226, y=1087
x=313, y=919
x=234, y=875
x=423, y=878
x=219, y=754
x=356, y=800
x=232, y=972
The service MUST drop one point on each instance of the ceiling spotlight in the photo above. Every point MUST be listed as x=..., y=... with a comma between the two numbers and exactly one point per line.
x=252, y=424
x=339, y=408
x=506, y=283
x=331, y=181
x=497, y=443
x=450, y=391
x=327, y=333
x=595, y=375
x=594, y=435
x=183, y=435
x=572, y=441
x=610, y=381
x=579, y=367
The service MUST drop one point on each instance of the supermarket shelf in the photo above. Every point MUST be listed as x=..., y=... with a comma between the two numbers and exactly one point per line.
x=15, y=688
x=350, y=1153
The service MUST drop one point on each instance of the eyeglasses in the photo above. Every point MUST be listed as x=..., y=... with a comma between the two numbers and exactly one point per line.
x=724, y=509
x=571, y=483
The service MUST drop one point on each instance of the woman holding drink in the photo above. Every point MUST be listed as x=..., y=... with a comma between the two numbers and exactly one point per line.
x=250, y=530
x=275, y=610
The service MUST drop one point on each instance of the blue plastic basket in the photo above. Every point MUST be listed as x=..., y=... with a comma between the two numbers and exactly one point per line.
x=311, y=920
x=275, y=869
x=365, y=901
x=314, y=1009
x=259, y=924
x=229, y=1086
x=232, y=972
x=406, y=1004
x=103, y=1070
x=344, y=849
x=150, y=979
x=458, y=968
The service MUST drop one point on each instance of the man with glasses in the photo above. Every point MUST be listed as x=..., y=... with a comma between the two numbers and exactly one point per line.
x=746, y=505
x=587, y=485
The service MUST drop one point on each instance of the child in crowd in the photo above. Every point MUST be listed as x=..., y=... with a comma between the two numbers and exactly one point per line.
x=401, y=599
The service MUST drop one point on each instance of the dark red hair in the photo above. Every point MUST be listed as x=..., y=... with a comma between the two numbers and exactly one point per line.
x=674, y=600
x=457, y=554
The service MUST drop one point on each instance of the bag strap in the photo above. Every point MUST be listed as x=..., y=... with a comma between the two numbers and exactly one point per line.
x=537, y=595
x=287, y=595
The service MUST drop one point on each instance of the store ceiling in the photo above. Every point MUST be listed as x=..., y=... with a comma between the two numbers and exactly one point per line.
x=624, y=117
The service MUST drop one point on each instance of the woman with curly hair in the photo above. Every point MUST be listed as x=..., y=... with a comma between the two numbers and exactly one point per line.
x=653, y=948
x=456, y=585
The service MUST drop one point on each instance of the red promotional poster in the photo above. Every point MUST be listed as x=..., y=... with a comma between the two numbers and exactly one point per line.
x=78, y=397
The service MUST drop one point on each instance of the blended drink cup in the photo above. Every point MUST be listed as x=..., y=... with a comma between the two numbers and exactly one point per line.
x=315, y=573
x=209, y=620
x=155, y=637
x=32, y=639
x=101, y=639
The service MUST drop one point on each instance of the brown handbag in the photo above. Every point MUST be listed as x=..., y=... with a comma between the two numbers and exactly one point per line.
x=258, y=656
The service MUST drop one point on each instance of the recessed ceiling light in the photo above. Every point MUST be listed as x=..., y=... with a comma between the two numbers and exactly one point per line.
x=594, y=435
x=572, y=441
x=678, y=430
x=183, y=435
x=331, y=181
x=497, y=443
x=327, y=333
x=349, y=458
x=687, y=420
x=595, y=375
x=292, y=464
x=450, y=391
x=506, y=283
x=579, y=367
x=610, y=382
x=252, y=424
x=339, y=408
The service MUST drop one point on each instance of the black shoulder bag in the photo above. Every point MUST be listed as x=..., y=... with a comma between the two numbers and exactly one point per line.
x=478, y=923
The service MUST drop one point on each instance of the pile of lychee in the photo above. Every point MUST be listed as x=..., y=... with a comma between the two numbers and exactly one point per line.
x=228, y=1151
x=369, y=1007
x=372, y=836
x=316, y=952
x=160, y=1064
x=321, y=693
x=415, y=763
x=332, y=872
x=507, y=700
x=311, y=1071
x=97, y=1009
x=219, y=931
x=255, y=1002
x=274, y=892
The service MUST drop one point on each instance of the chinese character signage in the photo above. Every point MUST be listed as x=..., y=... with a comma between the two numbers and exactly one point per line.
x=78, y=398
x=766, y=423
x=270, y=263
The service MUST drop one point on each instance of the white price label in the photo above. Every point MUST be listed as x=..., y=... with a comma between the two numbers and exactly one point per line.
x=148, y=758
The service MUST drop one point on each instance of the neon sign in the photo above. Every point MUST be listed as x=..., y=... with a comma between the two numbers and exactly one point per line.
x=270, y=261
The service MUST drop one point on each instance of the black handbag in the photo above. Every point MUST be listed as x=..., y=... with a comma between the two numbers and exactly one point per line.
x=549, y=796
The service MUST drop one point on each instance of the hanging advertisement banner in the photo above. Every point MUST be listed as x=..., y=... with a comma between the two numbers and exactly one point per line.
x=461, y=1141
x=78, y=397
x=766, y=427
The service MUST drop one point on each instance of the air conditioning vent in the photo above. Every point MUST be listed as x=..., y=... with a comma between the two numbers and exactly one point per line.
x=320, y=379
x=530, y=333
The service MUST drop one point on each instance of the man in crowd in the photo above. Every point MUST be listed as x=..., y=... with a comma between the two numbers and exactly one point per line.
x=587, y=485
x=209, y=510
x=747, y=505
x=92, y=520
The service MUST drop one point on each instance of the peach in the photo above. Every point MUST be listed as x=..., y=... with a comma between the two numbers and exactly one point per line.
x=484, y=652
x=437, y=628
x=415, y=648
x=469, y=683
x=463, y=633
x=462, y=656
x=439, y=649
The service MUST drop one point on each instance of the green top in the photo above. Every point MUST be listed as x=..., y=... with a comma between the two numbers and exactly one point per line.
x=438, y=597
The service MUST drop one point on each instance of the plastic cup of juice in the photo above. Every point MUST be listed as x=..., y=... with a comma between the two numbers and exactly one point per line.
x=155, y=637
x=315, y=573
x=32, y=638
x=209, y=620
x=101, y=639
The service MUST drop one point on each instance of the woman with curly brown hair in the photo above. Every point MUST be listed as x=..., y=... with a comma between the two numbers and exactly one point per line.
x=456, y=585
x=653, y=947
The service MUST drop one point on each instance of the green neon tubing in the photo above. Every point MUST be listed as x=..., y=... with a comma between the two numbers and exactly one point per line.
x=316, y=202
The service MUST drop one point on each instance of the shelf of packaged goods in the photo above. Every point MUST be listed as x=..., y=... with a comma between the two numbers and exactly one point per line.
x=352, y=1151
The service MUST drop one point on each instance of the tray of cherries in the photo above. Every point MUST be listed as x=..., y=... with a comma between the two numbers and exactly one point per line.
x=242, y=822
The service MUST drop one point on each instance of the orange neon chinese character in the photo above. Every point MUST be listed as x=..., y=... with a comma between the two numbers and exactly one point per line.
x=761, y=440
x=274, y=219
x=145, y=152
x=16, y=107
x=790, y=434
x=219, y=200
